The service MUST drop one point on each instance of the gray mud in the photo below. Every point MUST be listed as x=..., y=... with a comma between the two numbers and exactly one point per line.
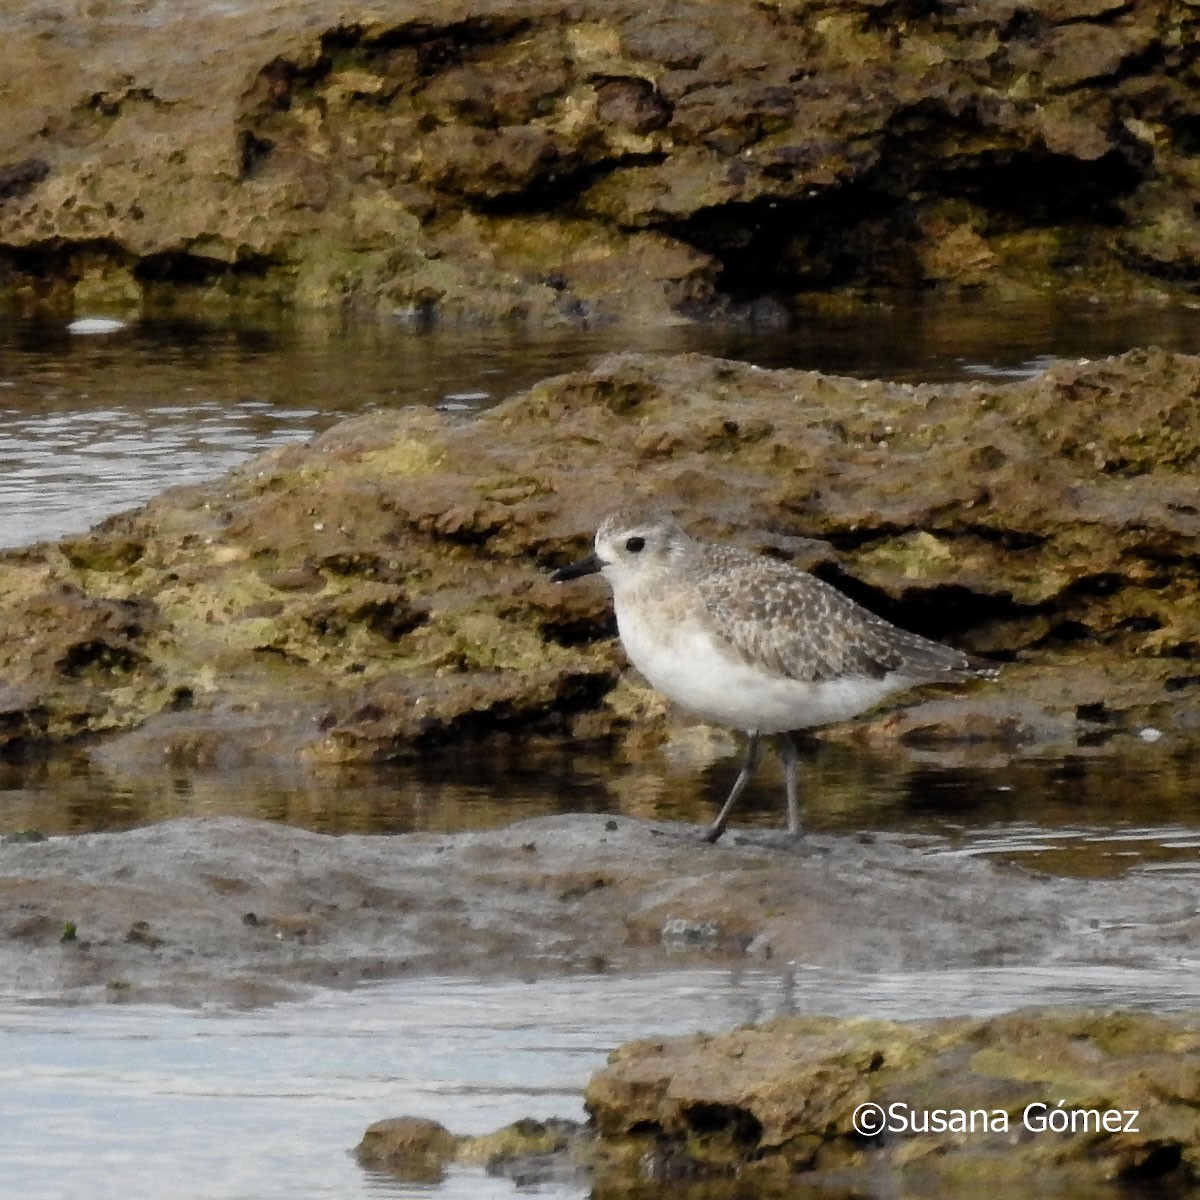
x=243, y=912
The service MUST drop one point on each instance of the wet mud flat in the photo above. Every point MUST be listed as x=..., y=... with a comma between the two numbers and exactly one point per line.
x=247, y=912
x=235, y=912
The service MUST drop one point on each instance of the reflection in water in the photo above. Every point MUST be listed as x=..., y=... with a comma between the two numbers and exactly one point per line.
x=1097, y=812
x=91, y=425
x=268, y=1103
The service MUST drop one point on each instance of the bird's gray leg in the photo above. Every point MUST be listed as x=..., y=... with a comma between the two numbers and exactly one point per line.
x=753, y=749
x=790, y=755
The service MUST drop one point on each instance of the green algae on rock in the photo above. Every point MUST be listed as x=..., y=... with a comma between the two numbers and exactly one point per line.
x=1065, y=1099
x=1070, y=1103
x=418, y=1150
x=385, y=588
x=412, y=1148
x=593, y=160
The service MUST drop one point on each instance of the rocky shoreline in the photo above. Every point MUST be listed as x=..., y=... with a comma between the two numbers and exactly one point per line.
x=235, y=912
x=1069, y=1102
x=590, y=161
x=384, y=591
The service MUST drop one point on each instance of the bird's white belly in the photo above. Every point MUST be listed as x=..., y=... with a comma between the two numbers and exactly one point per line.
x=690, y=667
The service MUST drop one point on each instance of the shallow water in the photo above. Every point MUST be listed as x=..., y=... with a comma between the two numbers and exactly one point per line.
x=144, y=1101
x=1097, y=812
x=90, y=425
x=141, y=1101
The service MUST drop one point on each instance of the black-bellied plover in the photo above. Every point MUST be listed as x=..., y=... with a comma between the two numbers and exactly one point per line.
x=752, y=642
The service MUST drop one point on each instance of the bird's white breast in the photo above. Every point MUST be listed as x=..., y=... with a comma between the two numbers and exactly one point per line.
x=685, y=662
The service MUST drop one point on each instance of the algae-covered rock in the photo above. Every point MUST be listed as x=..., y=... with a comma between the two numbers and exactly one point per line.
x=528, y=1152
x=597, y=160
x=385, y=589
x=1061, y=1099
x=411, y=1148
x=1062, y=1102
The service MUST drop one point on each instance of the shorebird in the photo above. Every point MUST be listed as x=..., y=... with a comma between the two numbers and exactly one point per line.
x=753, y=643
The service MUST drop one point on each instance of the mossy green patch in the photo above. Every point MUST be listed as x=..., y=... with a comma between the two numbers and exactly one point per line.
x=404, y=456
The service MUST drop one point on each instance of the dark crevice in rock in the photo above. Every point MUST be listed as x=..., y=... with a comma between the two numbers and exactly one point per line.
x=389, y=618
x=1186, y=131
x=846, y=541
x=24, y=731
x=866, y=232
x=741, y=1127
x=441, y=44
x=253, y=152
x=99, y=656
x=941, y=612
x=1132, y=65
x=561, y=183
x=645, y=1129
x=1144, y=624
x=109, y=104
x=576, y=693
x=1157, y=1160
x=20, y=178
x=437, y=47
x=1179, y=564
x=180, y=267
x=1168, y=270
x=58, y=258
x=793, y=245
x=1010, y=539
x=580, y=631
x=1031, y=188
x=1063, y=633
x=1103, y=584
x=902, y=12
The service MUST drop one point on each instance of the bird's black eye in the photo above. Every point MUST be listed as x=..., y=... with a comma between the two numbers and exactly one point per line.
x=635, y=544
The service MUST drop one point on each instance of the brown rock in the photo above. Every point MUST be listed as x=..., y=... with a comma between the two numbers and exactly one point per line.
x=778, y=1102
x=411, y=1148
x=601, y=162
x=294, y=579
x=1057, y=530
x=1079, y=53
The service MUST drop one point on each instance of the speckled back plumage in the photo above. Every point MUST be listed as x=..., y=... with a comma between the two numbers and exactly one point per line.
x=797, y=625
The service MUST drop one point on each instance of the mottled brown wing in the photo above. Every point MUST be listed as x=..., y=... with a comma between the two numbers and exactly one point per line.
x=794, y=624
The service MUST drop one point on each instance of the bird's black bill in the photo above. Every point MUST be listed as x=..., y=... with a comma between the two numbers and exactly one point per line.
x=575, y=570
